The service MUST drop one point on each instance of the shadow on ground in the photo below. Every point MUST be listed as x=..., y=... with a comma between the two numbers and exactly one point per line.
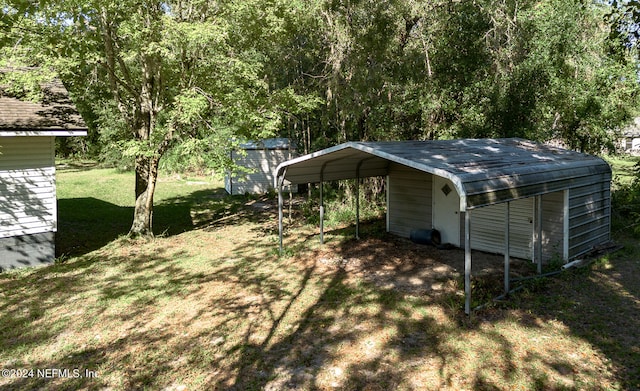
x=53, y=310
x=378, y=313
x=596, y=305
x=87, y=224
x=599, y=304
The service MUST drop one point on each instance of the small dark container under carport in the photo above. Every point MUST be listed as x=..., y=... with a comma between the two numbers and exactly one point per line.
x=425, y=236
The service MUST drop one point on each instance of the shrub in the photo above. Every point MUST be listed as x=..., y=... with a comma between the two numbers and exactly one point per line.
x=340, y=202
x=625, y=202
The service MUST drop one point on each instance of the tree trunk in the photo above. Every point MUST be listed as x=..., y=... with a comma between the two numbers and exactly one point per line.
x=146, y=177
x=147, y=165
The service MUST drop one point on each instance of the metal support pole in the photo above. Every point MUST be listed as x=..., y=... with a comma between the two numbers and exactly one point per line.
x=280, y=202
x=324, y=165
x=279, y=183
x=321, y=211
x=467, y=262
x=538, y=242
x=506, y=248
x=358, y=207
x=358, y=196
x=358, y=200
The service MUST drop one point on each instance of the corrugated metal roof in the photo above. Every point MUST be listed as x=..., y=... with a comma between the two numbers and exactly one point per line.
x=484, y=171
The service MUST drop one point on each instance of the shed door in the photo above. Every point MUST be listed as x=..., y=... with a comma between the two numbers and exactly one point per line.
x=446, y=210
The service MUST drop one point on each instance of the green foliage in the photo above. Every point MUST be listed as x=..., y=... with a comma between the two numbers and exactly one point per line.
x=540, y=70
x=323, y=72
x=340, y=203
x=183, y=80
x=24, y=85
x=181, y=62
x=154, y=75
x=625, y=202
x=624, y=17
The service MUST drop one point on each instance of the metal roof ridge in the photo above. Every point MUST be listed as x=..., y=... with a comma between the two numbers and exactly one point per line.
x=454, y=178
x=282, y=166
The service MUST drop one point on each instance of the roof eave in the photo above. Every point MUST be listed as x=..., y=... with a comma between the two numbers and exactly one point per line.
x=281, y=169
x=41, y=133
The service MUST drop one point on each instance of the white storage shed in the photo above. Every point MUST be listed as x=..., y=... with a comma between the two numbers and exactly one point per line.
x=28, y=216
x=630, y=138
x=259, y=159
x=509, y=196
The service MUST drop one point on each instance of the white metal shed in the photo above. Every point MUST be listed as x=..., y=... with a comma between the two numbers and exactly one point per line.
x=510, y=196
x=630, y=138
x=259, y=159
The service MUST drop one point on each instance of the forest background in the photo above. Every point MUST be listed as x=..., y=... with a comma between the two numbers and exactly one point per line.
x=177, y=84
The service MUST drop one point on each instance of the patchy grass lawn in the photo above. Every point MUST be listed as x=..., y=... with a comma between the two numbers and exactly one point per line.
x=210, y=305
x=624, y=169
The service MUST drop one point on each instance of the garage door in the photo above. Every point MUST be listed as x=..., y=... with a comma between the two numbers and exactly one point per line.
x=488, y=228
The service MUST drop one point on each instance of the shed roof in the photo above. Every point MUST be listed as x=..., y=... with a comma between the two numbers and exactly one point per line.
x=269, y=143
x=484, y=171
x=56, y=115
x=633, y=129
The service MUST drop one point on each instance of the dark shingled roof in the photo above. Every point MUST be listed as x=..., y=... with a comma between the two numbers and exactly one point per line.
x=56, y=113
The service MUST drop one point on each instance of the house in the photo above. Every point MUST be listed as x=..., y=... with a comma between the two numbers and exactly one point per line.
x=509, y=196
x=27, y=174
x=630, y=138
x=258, y=159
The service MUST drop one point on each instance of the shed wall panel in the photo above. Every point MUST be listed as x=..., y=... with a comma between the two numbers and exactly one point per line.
x=488, y=224
x=589, y=189
x=27, y=186
x=262, y=164
x=410, y=198
x=585, y=228
x=589, y=215
x=553, y=225
x=584, y=246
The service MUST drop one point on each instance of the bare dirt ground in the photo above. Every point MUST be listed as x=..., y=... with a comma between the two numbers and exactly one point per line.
x=394, y=262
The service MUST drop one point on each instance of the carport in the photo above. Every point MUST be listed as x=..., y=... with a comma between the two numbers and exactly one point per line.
x=509, y=196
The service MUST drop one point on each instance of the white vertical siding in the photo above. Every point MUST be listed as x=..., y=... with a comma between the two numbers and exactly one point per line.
x=583, y=213
x=553, y=225
x=409, y=200
x=27, y=186
x=488, y=227
x=521, y=227
x=262, y=164
x=572, y=223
